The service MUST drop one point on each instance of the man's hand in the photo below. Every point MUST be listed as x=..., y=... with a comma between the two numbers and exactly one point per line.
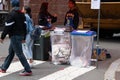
x=1, y=40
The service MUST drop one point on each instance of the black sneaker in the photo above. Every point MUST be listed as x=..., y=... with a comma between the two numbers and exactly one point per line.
x=24, y=73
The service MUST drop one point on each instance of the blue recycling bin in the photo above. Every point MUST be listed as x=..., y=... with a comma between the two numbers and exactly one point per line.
x=82, y=44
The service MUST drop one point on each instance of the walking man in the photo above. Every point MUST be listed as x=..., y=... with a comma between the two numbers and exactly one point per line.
x=15, y=27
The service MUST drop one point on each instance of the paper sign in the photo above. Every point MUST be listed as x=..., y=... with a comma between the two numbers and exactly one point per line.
x=0, y=1
x=95, y=4
x=1, y=6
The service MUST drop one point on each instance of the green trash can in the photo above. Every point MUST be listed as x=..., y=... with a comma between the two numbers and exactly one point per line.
x=41, y=48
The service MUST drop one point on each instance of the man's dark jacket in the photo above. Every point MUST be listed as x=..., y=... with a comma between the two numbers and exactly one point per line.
x=15, y=24
x=75, y=19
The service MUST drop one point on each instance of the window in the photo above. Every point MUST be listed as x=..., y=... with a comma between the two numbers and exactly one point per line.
x=4, y=4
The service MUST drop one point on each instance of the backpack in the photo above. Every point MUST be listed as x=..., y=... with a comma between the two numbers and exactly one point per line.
x=35, y=33
x=101, y=54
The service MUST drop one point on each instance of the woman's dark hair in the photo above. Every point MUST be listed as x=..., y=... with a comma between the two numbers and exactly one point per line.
x=28, y=10
x=44, y=7
x=73, y=1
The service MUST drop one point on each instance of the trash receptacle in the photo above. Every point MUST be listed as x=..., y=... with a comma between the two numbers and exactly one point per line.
x=82, y=44
x=42, y=47
x=60, y=42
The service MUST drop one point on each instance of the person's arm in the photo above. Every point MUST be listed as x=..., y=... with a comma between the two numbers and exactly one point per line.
x=76, y=19
x=65, y=19
x=8, y=26
x=25, y=27
x=53, y=18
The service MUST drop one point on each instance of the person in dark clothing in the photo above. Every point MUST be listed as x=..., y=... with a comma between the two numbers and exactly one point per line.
x=15, y=27
x=44, y=17
x=72, y=16
x=46, y=20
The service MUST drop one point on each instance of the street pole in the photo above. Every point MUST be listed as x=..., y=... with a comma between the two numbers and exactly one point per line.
x=98, y=31
x=95, y=4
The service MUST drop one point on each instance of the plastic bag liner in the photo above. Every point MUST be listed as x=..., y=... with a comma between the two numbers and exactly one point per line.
x=60, y=47
x=82, y=44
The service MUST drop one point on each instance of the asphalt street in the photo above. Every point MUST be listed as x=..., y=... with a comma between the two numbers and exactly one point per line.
x=44, y=70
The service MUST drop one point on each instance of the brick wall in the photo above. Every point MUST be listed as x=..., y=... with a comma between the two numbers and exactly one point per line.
x=55, y=6
x=59, y=7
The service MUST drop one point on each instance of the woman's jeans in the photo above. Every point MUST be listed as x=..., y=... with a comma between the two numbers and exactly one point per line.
x=15, y=47
x=27, y=47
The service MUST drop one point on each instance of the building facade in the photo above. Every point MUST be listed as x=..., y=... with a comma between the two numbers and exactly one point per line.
x=58, y=7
